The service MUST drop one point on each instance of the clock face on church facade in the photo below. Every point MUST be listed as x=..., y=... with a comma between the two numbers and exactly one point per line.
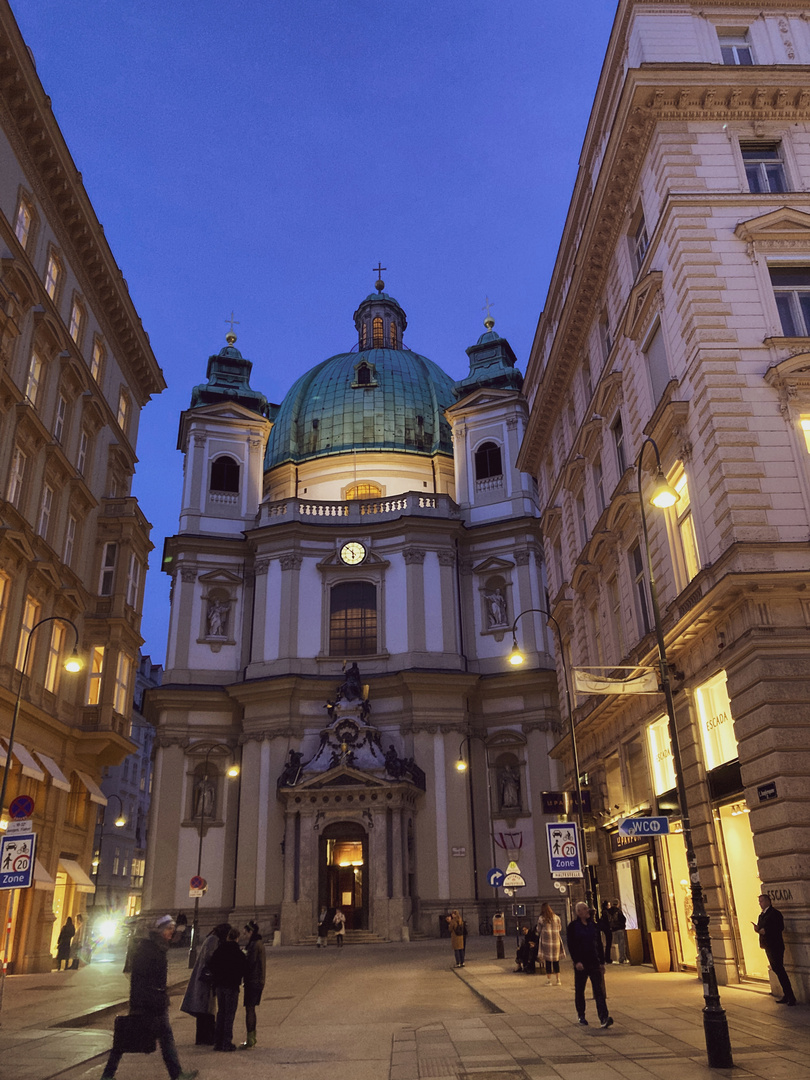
x=353, y=553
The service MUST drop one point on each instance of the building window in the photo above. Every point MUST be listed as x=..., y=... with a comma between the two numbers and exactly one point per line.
x=639, y=241
x=640, y=583
x=587, y=379
x=392, y=334
x=488, y=461
x=599, y=485
x=81, y=457
x=122, y=670
x=45, y=507
x=605, y=336
x=34, y=378
x=23, y=222
x=97, y=359
x=617, y=430
x=29, y=621
x=377, y=335
x=123, y=410
x=107, y=579
x=615, y=610
x=53, y=276
x=133, y=580
x=96, y=672
x=54, y=653
x=582, y=520
x=353, y=619
x=70, y=540
x=764, y=168
x=804, y=423
x=558, y=565
x=736, y=49
x=655, y=355
x=116, y=861
x=76, y=321
x=366, y=490
x=225, y=474
x=364, y=375
x=16, y=477
x=685, y=525
x=791, y=288
x=596, y=635
x=59, y=419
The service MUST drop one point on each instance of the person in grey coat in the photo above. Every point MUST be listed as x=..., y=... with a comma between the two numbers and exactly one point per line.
x=199, y=1000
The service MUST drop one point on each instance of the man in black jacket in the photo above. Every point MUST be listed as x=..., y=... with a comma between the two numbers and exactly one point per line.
x=588, y=956
x=770, y=926
x=149, y=997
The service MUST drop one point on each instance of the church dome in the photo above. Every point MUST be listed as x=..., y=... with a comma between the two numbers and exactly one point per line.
x=383, y=397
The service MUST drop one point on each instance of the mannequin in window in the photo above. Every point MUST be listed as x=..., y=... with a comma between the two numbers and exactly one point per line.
x=510, y=787
x=217, y=618
x=204, y=798
x=496, y=607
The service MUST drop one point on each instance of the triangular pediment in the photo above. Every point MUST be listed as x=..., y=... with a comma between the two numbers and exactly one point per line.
x=20, y=541
x=782, y=224
x=493, y=565
x=225, y=410
x=482, y=398
x=642, y=304
x=220, y=577
x=341, y=776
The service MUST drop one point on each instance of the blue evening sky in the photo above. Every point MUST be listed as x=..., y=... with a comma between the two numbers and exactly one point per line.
x=262, y=156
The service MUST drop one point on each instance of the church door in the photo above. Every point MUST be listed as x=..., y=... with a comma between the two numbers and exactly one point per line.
x=343, y=878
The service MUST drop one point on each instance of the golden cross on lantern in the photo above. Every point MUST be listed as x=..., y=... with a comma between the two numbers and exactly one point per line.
x=487, y=305
x=378, y=269
x=232, y=321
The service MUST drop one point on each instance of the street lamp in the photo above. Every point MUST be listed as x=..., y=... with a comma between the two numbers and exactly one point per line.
x=516, y=658
x=715, y=1022
x=119, y=823
x=232, y=771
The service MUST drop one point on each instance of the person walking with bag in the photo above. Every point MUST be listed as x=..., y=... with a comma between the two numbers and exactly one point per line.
x=588, y=956
x=254, y=981
x=149, y=999
x=457, y=935
x=199, y=999
x=549, y=927
x=228, y=966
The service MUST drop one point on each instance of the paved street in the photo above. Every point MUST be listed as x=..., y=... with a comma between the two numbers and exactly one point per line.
x=401, y=1012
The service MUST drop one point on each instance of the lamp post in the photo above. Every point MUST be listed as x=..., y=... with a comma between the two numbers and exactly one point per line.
x=73, y=665
x=233, y=771
x=516, y=658
x=119, y=823
x=715, y=1022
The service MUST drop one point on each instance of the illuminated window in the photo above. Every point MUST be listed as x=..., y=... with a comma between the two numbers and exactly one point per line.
x=366, y=490
x=685, y=523
x=34, y=378
x=76, y=321
x=363, y=336
x=353, y=619
x=791, y=289
x=122, y=671
x=393, y=335
x=97, y=359
x=59, y=419
x=45, y=506
x=488, y=461
x=70, y=540
x=24, y=221
x=805, y=426
x=716, y=722
x=377, y=335
x=735, y=48
x=123, y=410
x=16, y=477
x=116, y=861
x=225, y=475
x=53, y=276
x=107, y=578
x=54, y=653
x=96, y=672
x=29, y=621
x=663, y=766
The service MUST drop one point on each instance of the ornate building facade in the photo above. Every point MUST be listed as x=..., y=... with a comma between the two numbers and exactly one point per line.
x=679, y=311
x=345, y=574
x=75, y=370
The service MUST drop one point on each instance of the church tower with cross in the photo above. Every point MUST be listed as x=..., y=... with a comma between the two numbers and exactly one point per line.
x=346, y=572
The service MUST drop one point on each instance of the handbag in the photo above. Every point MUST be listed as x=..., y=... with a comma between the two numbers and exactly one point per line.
x=134, y=1034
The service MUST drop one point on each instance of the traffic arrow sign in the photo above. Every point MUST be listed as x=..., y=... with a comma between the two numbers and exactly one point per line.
x=644, y=826
x=495, y=877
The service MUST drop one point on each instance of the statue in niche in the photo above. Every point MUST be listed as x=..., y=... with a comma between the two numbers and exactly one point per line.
x=217, y=618
x=204, y=798
x=509, y=788
x=351, y=689
x=496, y=607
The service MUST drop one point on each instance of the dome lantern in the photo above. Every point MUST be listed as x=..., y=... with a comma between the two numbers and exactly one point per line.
x=379, y=319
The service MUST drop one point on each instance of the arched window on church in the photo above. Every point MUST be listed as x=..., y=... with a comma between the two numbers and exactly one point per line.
x=393, y=335
x=364, y=375
x=488, y=461
x=353, y=619
x=377, y=334
x=364, y=490
x=225, y=474
x=363, y=336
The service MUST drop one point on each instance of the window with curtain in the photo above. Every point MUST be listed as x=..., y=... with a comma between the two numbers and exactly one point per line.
x=353, y=619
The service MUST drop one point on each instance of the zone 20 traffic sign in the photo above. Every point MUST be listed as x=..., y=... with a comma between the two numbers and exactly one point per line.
x=563, y=849
x=17, y=853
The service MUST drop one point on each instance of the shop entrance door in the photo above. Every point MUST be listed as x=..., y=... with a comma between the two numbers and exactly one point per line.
x=640, y=897
x=343, y=872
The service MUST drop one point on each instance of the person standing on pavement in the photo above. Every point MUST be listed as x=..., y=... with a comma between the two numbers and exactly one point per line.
x=199, y=999
x=77, y=944
x=549, y=927
x=340, y=928
x=618, y=924
x=228, y=966
x=457, y=935
x=254, y=981
x=149, y=997
x=604, y=926
x=588, y=957
x=770, y=926
x=66, y=935
x=326, y=923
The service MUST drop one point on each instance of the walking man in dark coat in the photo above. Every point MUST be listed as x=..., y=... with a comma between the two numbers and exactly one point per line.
x=588, y=956
x=770, y=926
x=148, y=997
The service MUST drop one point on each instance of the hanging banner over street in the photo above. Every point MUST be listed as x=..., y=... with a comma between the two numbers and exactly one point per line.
x=589, y=681
x=563, y=850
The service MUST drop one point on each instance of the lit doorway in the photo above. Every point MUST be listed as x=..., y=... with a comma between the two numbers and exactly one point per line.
x=343, y=877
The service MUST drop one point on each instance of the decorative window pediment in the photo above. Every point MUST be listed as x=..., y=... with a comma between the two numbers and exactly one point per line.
x=643, y=304
x=493, y=565
x=784, y=229
x=791, y=380
x=220, y=577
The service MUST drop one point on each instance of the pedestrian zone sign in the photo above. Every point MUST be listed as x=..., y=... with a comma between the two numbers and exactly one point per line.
x=17, y=853
x=563, y=849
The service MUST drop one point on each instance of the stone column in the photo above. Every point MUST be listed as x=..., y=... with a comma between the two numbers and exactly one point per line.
x=447, y=577
x=168, y=793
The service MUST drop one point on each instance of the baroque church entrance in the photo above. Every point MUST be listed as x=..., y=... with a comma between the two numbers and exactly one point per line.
x=343, y=875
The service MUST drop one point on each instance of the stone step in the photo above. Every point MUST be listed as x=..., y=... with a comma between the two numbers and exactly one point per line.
x=352, y=937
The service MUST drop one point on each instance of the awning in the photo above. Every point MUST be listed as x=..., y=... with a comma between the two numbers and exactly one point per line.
x=29, y=766
x=42, y=879
x=96, y=794
x=77, y=875
x=58, y=778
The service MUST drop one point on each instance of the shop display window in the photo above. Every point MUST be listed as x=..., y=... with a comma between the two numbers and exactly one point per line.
x=661, y=761
x=716, y=723
x=740, y=864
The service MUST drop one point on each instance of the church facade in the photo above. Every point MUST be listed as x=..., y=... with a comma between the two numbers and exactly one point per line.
x=346, y=572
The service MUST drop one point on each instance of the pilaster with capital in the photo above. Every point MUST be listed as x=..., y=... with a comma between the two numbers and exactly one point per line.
x=168, y=796
x=288, y=604
x=415, y=585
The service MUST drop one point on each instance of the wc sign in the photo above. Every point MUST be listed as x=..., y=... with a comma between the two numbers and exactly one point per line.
x=563, y=850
